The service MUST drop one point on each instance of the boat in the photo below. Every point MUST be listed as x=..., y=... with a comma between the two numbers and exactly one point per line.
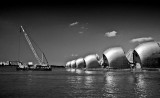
x=41, y=66
x=34, y=67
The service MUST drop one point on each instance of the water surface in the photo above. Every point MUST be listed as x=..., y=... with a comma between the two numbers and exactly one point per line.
x=71, y=83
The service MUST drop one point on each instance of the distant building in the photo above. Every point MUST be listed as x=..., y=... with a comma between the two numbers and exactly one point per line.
x=30, y=63
x=14, y=63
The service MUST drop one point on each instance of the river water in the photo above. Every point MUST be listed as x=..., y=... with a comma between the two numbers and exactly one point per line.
x=71, y=83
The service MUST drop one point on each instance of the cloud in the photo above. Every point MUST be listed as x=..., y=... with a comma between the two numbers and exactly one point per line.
x=80, y=32
x=82, y=27
x=142, y=39
x=111, y=34
x=74, y=54
x=74, y=23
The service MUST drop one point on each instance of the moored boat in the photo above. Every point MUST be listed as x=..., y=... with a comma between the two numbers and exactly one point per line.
x=35, y=67
x=41, y=66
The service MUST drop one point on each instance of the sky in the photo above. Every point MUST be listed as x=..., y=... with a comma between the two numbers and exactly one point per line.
x=67, y=31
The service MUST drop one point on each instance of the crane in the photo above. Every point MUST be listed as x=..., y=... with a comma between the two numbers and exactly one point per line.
x=40, y=61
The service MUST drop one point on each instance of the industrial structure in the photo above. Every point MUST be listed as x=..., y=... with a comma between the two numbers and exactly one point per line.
x=68, y=64
x=41, y=64
x=80, y=63
x=73, y=64
x=147, y=55
x=92, y=61
x=114, y=58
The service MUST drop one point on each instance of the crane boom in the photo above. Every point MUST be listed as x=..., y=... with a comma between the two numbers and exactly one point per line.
x=31, y=46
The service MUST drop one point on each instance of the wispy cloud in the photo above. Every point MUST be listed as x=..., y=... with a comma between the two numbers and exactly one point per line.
x=111, y=34
x=74, y=23
x=74, y=54
x=82, y=27
x=142, y=39
x=80, y=32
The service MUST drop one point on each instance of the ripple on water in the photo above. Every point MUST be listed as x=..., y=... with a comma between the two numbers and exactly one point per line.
x=62, y=83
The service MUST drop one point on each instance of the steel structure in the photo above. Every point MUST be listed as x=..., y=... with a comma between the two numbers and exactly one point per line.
x=73, y=64
x=80, y=63
x=68, y=64
x=40, y=61
x=92, y=61
x=115, y=58
x=147, y=55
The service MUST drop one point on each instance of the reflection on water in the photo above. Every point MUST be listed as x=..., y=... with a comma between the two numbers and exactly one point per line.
x=79, y=71
x=72, y=70
x=89, y=72
x=89, y=81
x=110, y=85
x=141, y=86
x=85, y=84
x=29, y=79
x=115, y=84
x=73, y=83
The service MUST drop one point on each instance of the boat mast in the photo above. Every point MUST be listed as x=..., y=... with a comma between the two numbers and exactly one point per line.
x=31, y=46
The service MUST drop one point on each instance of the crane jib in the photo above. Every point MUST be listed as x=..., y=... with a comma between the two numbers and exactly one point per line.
x=31, y=46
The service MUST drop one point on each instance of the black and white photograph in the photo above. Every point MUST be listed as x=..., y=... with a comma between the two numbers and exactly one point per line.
x=80, y=49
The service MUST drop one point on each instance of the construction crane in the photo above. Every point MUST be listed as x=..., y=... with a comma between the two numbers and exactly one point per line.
x=40, y=61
